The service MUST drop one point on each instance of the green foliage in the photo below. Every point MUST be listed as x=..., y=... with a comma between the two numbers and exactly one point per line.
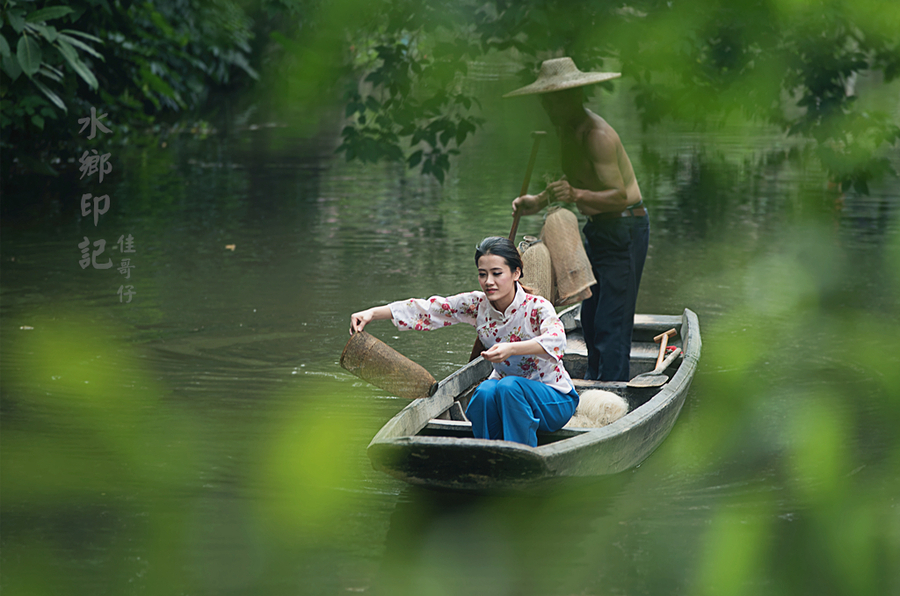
x=788, y=63
x=404, y=103
x=135, y=61
x=791, y=64
x=397, y=66
x=402, y=65
x=40, y=51
x=406, y=100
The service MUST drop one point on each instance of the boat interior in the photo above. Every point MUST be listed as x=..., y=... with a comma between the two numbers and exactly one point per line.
x=644, y=352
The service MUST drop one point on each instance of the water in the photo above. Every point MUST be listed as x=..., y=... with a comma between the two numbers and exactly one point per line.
x=202, y=439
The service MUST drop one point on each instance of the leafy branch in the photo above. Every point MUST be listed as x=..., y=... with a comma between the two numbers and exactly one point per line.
x=398, y=110
x=31, y=56
x=157, y=58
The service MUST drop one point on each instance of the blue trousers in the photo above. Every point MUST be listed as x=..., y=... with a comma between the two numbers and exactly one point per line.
x=515, y=408
x=617, y=249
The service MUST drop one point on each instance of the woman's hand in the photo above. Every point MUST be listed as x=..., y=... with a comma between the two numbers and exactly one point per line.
x=504, y=350
x=359, y=320
x=499, y=352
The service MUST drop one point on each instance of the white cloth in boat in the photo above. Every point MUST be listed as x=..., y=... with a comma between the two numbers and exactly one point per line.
x=527, y=317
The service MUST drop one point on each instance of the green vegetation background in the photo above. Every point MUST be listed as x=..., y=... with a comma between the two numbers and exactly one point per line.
x=398, y=67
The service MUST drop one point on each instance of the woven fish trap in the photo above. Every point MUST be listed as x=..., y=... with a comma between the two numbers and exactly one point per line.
x=572, y=273
x=374, y=361
x=538, y=268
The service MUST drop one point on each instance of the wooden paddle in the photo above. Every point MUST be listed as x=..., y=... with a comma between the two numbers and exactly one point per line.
x=537, y=135
x=655, y=377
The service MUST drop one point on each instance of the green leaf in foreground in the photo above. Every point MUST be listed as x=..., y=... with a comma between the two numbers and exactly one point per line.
x=11, y=67
x=28, y=52
x=49, y=13
x=71, y=56
x=50, y=95
x=79, y=44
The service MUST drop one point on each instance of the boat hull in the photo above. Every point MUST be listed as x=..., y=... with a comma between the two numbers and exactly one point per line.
x=424, y=445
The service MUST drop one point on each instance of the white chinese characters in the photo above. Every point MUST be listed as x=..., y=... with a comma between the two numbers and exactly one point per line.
x=94, y=253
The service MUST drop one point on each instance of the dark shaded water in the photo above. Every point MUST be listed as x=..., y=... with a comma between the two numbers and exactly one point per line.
x=202, y=439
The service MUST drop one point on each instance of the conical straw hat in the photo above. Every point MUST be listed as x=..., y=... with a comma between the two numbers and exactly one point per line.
x=561, y=73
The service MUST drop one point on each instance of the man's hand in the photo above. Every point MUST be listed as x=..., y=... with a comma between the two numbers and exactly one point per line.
x=527, y=205
x=562, y=191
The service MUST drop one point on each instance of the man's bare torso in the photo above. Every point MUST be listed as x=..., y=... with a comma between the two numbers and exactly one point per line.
x=576, y=158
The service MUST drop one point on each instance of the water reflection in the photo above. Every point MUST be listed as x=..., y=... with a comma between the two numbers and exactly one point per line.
x=534, y=543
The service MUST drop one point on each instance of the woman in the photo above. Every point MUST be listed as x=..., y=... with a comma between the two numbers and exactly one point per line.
x=529, y=389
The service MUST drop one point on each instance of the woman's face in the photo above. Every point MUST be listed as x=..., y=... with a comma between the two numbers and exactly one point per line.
x=497, y=280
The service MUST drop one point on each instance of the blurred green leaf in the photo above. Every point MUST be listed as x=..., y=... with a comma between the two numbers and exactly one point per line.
x=71, y=56
x=49, y=13
x=156, y=83
x=4, y=47
x=16, y=19
x=28, y=53
x=48, y=33
x=87, y=36
x=51, y=72
x=57, y=101
x=63, y=37
x=734, y=555
x=11, y=67
x=161, y=22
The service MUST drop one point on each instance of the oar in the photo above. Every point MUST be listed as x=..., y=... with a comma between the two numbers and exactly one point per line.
x=537, y=135
x=655, y=378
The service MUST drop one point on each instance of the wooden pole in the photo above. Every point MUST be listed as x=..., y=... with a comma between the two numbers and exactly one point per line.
x=537, y=136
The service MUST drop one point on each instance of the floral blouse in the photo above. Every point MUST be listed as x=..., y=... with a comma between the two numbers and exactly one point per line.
x=528, y=317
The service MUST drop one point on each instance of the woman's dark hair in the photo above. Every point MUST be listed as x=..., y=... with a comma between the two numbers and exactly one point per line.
x=502, y=247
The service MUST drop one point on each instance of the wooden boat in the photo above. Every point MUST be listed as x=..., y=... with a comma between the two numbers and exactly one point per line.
x=429, y=442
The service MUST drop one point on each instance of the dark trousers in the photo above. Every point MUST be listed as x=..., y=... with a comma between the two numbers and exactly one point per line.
x=617, y=249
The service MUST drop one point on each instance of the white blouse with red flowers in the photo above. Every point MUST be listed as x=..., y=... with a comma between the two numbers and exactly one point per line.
x=528, y=317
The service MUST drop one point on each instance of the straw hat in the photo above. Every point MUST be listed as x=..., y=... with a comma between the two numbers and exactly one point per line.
x=559, y=74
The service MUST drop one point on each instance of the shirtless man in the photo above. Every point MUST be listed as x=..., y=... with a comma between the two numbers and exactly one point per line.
x=599, y=180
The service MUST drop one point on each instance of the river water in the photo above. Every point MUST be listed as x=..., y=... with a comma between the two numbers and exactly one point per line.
x=201, y=438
